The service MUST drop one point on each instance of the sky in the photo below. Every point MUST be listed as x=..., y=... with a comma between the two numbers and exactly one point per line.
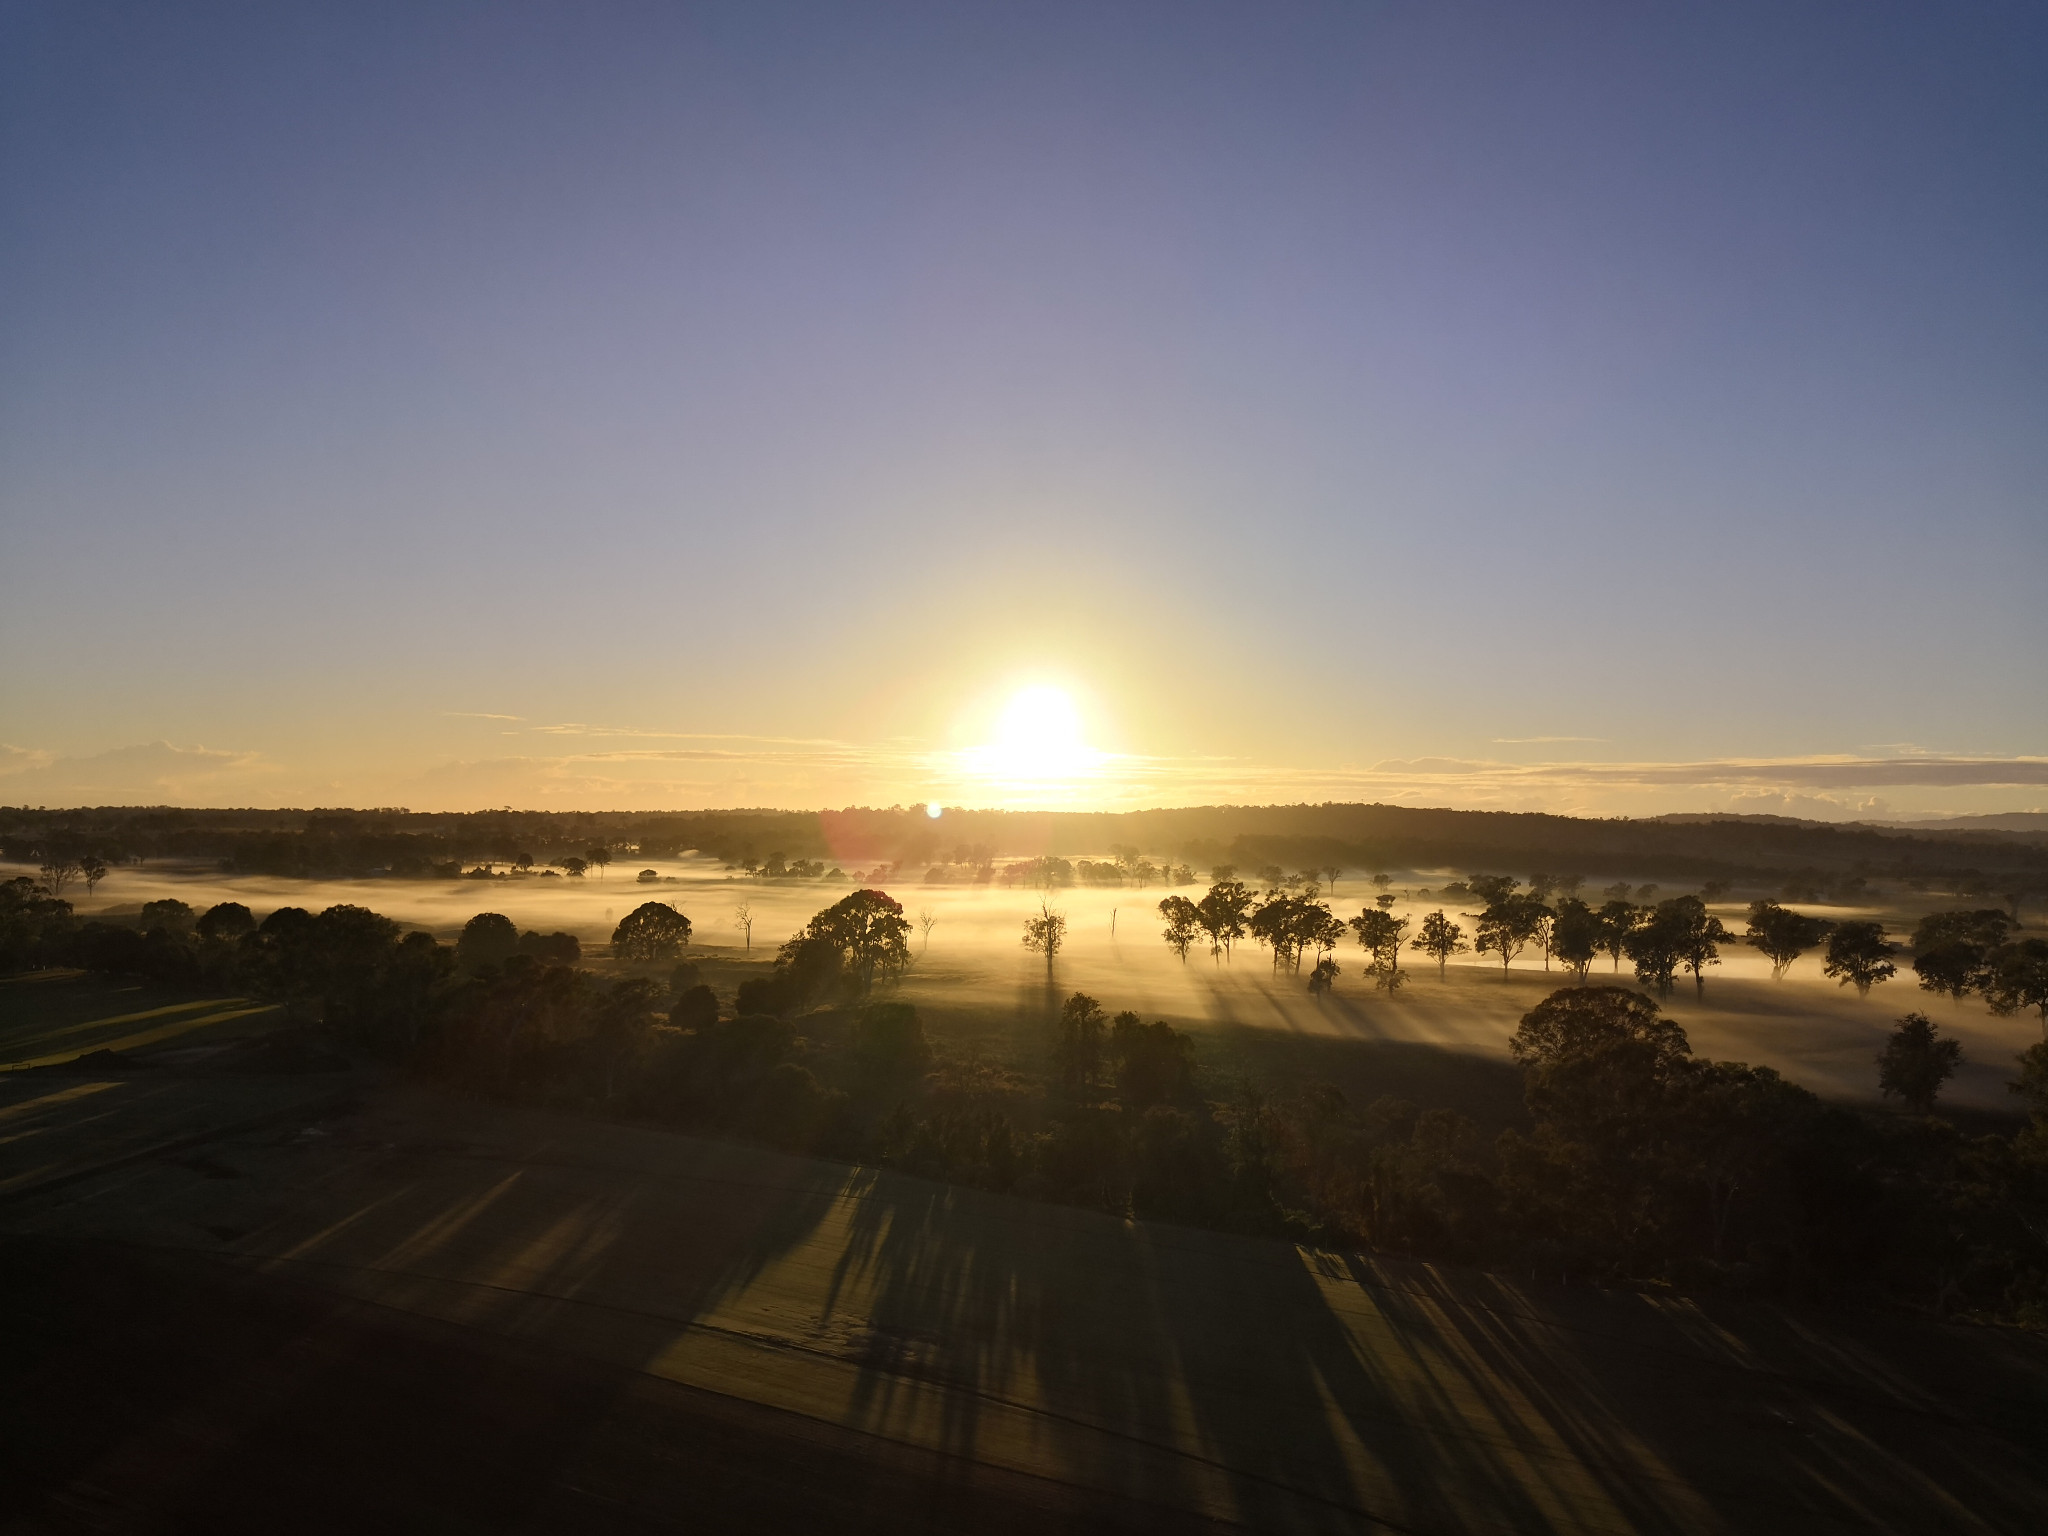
x=1610, y=409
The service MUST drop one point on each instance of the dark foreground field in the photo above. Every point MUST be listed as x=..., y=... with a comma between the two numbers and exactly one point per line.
x=356, y=1305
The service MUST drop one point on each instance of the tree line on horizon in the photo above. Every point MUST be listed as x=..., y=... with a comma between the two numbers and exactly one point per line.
x=319, y=844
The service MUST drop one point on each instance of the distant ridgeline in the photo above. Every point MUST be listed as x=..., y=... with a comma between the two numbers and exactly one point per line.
x=331, y=843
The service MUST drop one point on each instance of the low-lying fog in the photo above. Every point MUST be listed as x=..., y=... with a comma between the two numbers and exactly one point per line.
x=1815, y=1032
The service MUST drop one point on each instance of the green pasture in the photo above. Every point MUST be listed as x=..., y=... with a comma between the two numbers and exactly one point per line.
x=51, y=1017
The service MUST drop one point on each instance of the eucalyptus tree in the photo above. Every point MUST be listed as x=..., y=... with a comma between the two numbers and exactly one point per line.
x=1046, y=934
x=1223, y=913
x=1380, y=934
x=1782, y=935
x=1916, y=1062
x=2018, y=978
x=1183, y=924
x=1699, y=934
x=1654, y=947
x=1575, y=936
x=1508, y=923
x=1859, y=956
x=869, y=931
x=1617, y=918
x=1952, y=950
x=1439, y=938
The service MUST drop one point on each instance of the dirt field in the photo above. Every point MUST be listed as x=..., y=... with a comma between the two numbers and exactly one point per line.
x=415, y=1313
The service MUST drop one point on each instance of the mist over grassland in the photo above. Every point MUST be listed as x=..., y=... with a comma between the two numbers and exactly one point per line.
x=979, y=874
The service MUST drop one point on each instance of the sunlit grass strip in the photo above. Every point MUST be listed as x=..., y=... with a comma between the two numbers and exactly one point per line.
x=141, y=1038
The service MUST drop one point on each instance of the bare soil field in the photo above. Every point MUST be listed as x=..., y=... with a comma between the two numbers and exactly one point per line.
x=528, y=1322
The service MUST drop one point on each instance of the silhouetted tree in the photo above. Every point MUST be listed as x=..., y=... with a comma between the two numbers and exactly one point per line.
x=575, y=866
x=1323, y=978
x=556, y=948
x=2018, y=978
x=1223, y=913
x=1494, y=889
x=1655, y=946
x=1575, y=936
x=1698, y=935
x=57, y=870
x=1183, y=924
x=1077, y=1051
x=743, y=919
x=226, y=920
x=93, y=869
x=489, y=938
x=1292, y=924
x=623, y=1022
x=1617, y=919
x=927, y=920
x=168, y=912
x=1858, y=956
x=600, y=856
x=889, y=1042
x=1782, y=934
x=1915, y=1063
x=654, y=930
x=1605, y=1078
x=868, y=929
x=1952, y=950
x=1508, y=923
x=1439, y=938
x=1045, y=934
x=1380, y=934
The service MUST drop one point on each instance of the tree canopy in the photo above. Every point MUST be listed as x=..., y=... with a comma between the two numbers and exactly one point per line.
x=1782, y=935
x=654, y=930
x=867, y=930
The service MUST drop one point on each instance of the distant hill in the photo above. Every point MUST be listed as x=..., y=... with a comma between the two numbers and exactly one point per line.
x=1700, y=847
x=2004, y=821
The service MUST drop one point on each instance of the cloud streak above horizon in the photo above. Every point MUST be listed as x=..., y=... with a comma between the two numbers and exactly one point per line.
x=766, y=772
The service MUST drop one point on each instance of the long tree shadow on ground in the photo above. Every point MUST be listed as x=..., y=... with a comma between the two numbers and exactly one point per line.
x=1299, y=1391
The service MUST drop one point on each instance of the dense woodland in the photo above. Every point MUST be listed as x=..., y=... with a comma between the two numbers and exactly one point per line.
x=1635, y=1161
x=328, y=843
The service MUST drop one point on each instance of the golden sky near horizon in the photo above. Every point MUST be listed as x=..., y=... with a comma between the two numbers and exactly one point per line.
x=680, y=407
x=1031, y=744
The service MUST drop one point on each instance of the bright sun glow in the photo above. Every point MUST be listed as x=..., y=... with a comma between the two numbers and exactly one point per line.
x=1037, y=739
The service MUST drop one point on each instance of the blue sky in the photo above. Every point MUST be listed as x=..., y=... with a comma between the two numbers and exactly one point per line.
x=734, y=404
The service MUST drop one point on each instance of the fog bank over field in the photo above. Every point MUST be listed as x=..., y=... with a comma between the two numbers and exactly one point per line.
x=972, y=974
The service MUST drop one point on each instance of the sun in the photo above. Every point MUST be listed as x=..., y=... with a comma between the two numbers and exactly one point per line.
x=1037, y=739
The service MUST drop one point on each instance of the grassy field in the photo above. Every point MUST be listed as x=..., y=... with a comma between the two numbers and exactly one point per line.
x=55, y=1016
x=1141, y=1372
